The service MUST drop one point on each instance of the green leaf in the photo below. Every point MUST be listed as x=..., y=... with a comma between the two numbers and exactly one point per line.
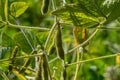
x=115, y=12
x=6, y=40
x=18, y=8
x=6, y=10
x=88, y=13
x=0, y=18
x=22, y=42
x=2, y=24
x=3, y=74
x=78, y=14
x=2, y=9
x=118, y=19
x=2, y=52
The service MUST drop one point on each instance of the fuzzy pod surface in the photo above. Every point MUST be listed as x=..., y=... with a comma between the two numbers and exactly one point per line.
x=80, y=34
x=58, y=43
x=13, y=55
x=52, y=49
x=39, y=75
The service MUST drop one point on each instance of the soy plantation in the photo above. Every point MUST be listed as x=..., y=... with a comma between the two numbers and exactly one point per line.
x=59, y=39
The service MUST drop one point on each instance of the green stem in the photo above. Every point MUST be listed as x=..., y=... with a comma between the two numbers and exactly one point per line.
x=4, y=75
x=79, y=58
x=53, y=5
x=110, y=28
x=6, y=10
x=29, y=56
x=49, y=35
x=24, y=32
x=47, y=29
x=93, y=59
x=77, y=65
x=6, y=64
x=53, y=60
x=27, y=27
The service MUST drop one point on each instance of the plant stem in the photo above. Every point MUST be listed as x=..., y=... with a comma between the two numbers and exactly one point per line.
x=46, y=29
x=6, y=10
x=53, y=60
x=49, y=35
x=110, y=28
x=28, y=27
x=29, y=56
x=53, y=5
x=25, y=35
x=77, y=65
x=79, y=58
x=97, y=58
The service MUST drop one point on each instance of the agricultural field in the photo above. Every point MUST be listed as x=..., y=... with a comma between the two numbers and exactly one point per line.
x=59, y=39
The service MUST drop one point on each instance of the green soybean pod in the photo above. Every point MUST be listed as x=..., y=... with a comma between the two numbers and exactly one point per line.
x=39, y=75
x=45, y=68
x=58, y=43
x=52, y=49
x=45, y=6
x=13, y=55
x=64, y=74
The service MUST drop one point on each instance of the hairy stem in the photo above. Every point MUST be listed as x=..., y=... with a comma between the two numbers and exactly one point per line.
x=50, y=33
x=93, y=59
x=27, y=27
x=28, y=56
x=77, y=66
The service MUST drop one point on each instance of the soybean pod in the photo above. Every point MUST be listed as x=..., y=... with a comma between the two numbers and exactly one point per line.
x=80, y=34
x=39, y=75
x=45, y=6
x=45, y=68
x=64, y=73
x=13, y=55
x=58, y=43
x=52, y=49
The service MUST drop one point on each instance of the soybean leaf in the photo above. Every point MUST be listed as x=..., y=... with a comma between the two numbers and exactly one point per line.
x=22, y=42
x=2, y=25
x=2, y=8
x=3, y=52
x=87, y=13
x=18, y=8
x=75, y=13
x=114, y=14
x=3, y=74
x=0, y=18
x=7, y=41
x=118, y=19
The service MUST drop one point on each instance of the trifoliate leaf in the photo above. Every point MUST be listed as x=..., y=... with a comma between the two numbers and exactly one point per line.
x=18, y=8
